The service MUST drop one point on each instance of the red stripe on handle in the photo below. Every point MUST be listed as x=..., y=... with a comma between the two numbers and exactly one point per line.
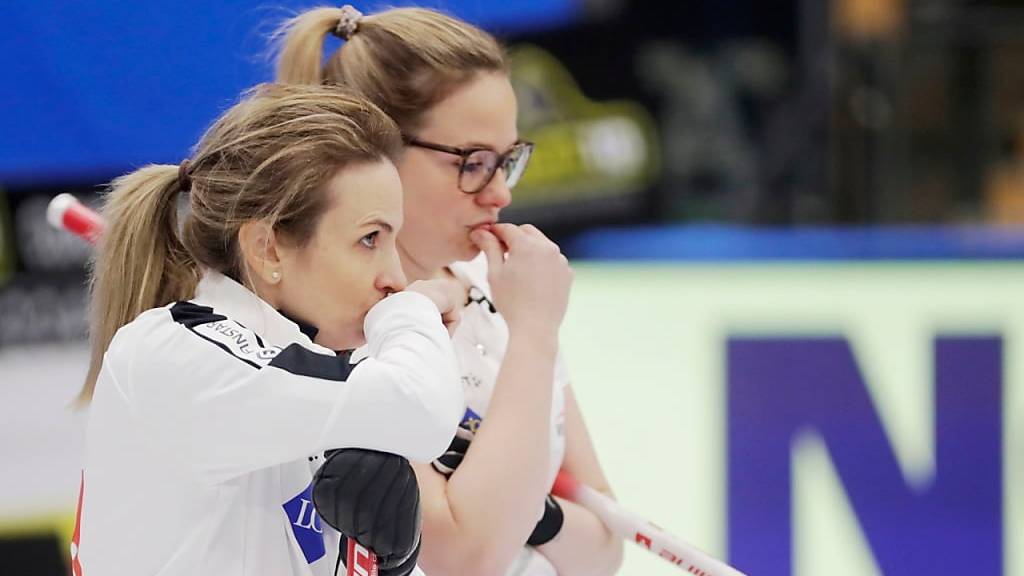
x=83, y=222
x=359, y=561
x=565, y=485
x=65, y=211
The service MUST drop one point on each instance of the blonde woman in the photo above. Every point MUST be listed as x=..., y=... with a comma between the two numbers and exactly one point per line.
x=215, y=386
x=486, y=505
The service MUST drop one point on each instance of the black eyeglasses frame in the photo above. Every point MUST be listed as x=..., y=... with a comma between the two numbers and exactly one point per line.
x=465, y=153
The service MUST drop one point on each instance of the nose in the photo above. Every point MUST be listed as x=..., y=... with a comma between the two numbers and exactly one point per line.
x=496, y=194
x=392, y=278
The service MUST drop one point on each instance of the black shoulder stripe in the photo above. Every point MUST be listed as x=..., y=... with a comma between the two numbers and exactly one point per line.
x=192, y=315
x=247, y=346
x=303, y=362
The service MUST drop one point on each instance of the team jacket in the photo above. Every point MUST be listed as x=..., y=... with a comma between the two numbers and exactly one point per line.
x=210, y=416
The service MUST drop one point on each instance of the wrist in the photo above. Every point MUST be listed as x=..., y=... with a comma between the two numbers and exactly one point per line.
x=534, y=331
x=539, y=347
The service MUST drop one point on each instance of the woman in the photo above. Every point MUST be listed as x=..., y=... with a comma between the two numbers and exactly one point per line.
x=446, y=85
x=214, y=381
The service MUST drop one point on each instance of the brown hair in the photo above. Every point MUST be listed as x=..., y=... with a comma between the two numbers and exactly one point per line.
x=404, y=60
x=267, y=158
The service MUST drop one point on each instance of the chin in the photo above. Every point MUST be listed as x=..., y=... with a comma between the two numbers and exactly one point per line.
x=340, y=342
x=468, y=255
x=354, y=341
x=467, y=250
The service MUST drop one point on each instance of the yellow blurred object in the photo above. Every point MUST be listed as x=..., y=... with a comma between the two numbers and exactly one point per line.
x=868, y=19
x=1004, y=195
x=1004, y=189
x=586, y=150
x=60, y=525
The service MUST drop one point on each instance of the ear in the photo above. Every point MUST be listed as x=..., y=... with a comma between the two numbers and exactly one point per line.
x=260, y=252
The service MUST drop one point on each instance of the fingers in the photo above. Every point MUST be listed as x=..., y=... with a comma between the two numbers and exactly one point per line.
x=509, y=234
x=451, y=319
x=447, y=295
x=490, y=244
x=515, y=236
x=453, y=290
x=532, y=230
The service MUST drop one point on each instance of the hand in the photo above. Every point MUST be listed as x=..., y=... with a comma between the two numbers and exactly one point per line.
x=447, y=294
x=374, y=498
x=530, y=282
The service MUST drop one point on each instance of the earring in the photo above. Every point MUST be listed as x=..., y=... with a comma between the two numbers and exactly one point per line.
x=275, y=275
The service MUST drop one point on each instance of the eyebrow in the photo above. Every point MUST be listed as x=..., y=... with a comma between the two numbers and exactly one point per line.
x=378, y=222
x=472, y=145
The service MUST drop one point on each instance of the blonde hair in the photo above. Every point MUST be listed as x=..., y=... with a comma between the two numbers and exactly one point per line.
x=268, y=158
x=404, y=60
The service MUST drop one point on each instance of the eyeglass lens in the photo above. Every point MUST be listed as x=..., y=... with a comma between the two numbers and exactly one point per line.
x=479, y=167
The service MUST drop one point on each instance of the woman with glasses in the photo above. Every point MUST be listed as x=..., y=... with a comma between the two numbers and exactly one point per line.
x=486, y=503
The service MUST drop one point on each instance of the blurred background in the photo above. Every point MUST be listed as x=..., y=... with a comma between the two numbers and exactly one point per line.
x=796, y=331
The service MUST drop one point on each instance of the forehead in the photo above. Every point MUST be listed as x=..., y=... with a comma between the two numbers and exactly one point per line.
x=362, y=192
x=482, y=111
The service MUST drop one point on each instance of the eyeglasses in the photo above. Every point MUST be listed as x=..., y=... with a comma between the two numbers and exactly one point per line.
x=479, y=164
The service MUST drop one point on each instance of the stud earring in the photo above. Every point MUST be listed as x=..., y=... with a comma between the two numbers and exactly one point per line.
x=275, y=275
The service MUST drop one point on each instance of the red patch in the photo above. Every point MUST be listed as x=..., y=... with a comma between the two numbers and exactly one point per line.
x=76, y=566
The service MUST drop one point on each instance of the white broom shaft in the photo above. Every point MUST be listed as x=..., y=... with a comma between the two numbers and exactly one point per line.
x=640, y=531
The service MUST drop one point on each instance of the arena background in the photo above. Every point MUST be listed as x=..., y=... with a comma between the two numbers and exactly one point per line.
x=796, y=326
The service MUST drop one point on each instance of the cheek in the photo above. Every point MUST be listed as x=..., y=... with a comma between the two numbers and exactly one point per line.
x=328, y=273
x=428, y=187
x=304, y=269
x=428, y=209
x=348, y=279
x=347, y=291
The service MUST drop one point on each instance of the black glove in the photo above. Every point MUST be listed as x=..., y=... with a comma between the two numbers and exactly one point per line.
x=373, y=498
x=446, y=464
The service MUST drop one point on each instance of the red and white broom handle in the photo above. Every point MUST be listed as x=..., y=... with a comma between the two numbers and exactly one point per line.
x=632, y=527
x=65, y=212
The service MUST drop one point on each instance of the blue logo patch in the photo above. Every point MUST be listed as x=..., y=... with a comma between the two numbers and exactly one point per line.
x=471, y=420
x=306, y=526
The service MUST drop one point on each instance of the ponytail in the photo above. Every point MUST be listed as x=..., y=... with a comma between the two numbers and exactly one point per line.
x=404, y=60
x=140, y=261
x=302, y=45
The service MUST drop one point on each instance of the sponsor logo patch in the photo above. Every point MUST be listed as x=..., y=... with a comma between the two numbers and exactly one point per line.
x=238, y=340
x=306, y=525
x=471, y=420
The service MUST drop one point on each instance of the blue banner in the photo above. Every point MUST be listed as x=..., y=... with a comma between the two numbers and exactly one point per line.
x=93, y=89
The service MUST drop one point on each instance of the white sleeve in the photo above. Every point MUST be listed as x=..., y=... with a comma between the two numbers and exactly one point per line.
x=225, y=413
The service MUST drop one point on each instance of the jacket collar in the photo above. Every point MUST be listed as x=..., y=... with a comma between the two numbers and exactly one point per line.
x=242, y=305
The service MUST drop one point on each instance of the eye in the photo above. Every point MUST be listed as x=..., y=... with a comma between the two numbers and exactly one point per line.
x=370, y=240
x=471, y=167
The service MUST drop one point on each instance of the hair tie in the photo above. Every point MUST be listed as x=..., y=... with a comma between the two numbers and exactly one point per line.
x=348, y=23
x=184, y=179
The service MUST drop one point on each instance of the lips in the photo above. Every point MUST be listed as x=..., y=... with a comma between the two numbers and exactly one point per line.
x=485, y=225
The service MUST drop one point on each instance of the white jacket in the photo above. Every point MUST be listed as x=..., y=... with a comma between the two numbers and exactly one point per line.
x=210, y=417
